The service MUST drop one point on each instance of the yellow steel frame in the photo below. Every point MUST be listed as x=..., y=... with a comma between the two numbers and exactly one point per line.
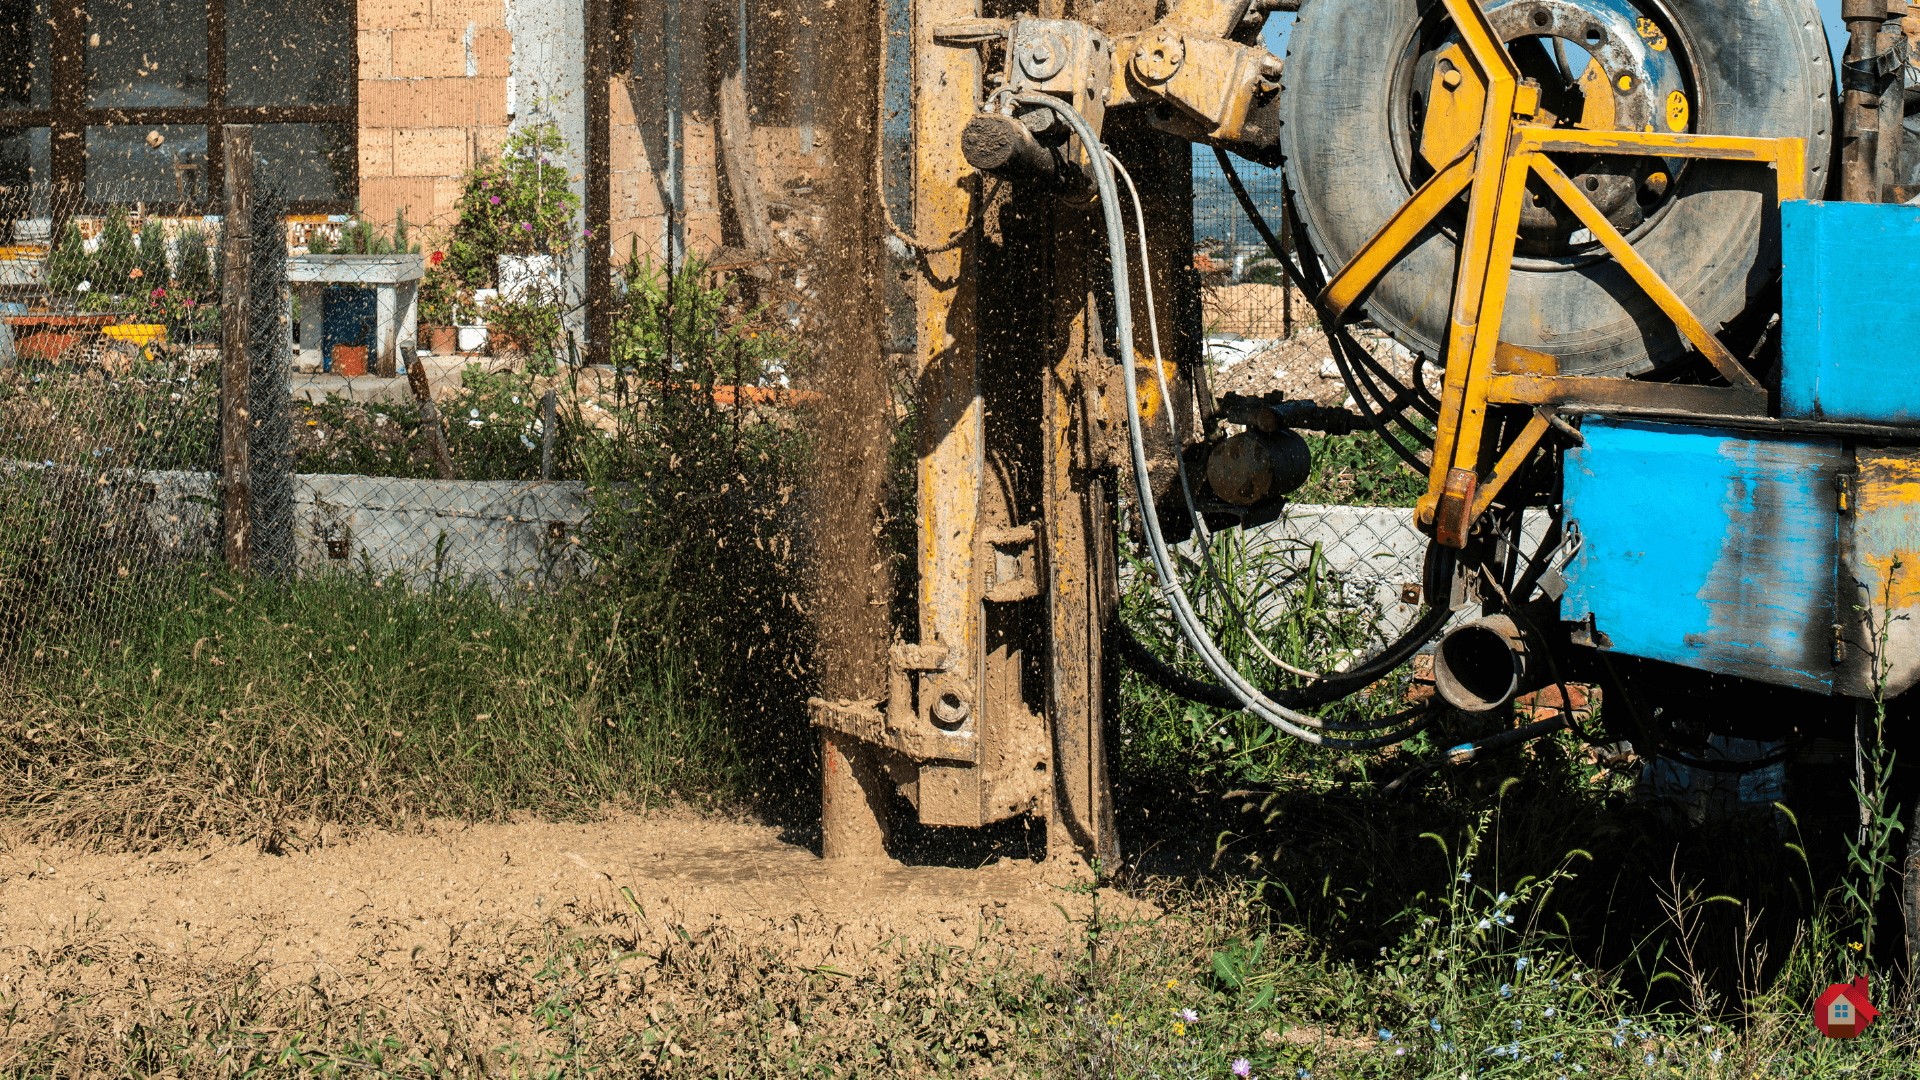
x=1493, y=170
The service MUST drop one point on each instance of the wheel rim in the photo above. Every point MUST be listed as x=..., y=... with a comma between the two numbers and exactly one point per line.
x=1630, y=54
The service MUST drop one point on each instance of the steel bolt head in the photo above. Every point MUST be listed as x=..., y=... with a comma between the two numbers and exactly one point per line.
x=1159, y=58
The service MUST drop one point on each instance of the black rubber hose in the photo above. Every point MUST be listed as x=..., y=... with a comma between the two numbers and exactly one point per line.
x=1336, y=336
x=1319, y=692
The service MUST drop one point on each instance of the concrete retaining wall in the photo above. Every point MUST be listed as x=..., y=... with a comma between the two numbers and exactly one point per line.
x=504, y=534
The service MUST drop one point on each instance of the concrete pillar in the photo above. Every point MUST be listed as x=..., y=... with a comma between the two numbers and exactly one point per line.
x=548, y=85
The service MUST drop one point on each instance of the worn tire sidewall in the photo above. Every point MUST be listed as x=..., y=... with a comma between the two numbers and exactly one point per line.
x=1759, y=70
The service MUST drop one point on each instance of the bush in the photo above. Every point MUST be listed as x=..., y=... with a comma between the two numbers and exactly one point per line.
x=519, y=204
x=69, y=264
x=152, y=261
x=115, y=258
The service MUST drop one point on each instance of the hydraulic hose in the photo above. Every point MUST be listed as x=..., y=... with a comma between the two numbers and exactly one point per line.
x=1337, y=340
x=1251, y=698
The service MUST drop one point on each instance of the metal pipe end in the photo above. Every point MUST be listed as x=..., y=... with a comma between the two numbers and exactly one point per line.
x=1483, y=665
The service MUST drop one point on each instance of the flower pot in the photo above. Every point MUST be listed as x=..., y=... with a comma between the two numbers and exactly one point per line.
x=504, y=344
x=350, y=360
x=521, y=274
x=471, y=339
x=142, y=334
x=442, y=340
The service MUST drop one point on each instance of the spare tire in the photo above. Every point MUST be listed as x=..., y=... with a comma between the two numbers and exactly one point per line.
x=1351, y=108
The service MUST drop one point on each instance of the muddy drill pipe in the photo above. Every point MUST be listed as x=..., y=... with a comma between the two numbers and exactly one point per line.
x=1872, y=97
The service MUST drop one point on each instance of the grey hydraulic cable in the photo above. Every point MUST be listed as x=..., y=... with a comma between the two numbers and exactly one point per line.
x=1252, y=700
x=1179, y=459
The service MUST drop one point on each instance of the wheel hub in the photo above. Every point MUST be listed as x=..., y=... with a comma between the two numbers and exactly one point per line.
x=1600, y=65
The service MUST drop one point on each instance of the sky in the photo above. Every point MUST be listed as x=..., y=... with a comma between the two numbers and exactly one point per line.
x=1278, y=24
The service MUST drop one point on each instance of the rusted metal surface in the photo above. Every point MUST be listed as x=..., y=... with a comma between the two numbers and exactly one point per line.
x=1863, y=84
x=1880, y=573
x=1710, y=548
x=853, y=811
x=946, y=84
x=1256, y=466
x=855, y=420
x=871, y=722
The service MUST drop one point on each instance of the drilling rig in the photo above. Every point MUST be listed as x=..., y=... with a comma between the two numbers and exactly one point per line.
x=1643, y=244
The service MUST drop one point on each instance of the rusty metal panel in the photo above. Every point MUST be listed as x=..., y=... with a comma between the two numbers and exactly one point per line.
x=1847, y=324
x=1706, y=547
x=1880, y=573
x=946, y=84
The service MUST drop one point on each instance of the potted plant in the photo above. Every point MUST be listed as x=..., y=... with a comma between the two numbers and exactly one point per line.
x=439, y=294
x=517, y=215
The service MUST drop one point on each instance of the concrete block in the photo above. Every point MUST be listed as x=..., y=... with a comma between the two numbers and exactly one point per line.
x=456, y=14
x=507, y=535
x=376, y=151
x=380, y=196
x=492, y=53
x=386, y=103
x=440, y=151
x=427, y=54
x=394, y=14
x=620, y=104
x=376, y=56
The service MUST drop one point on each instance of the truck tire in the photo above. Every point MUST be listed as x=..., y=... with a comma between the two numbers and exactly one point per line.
x=1754, y=69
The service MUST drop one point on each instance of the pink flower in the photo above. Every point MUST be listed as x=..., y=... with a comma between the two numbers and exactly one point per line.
x=1243, y=1067
x=158, y=293
x=526, y=226
x=190, y=303
x=494, y=199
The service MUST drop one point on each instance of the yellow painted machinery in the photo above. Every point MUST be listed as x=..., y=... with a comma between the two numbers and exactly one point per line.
x=1576, y=211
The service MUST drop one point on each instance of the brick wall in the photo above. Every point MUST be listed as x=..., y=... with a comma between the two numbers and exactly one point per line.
x=433, y=96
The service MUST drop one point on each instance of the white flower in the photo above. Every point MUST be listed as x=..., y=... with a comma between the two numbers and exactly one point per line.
x=473, y=412
x=1485, y=925
x=85, y=286
x=476, y=423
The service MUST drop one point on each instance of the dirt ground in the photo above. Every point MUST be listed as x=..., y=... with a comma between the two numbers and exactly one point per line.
x=368, y=911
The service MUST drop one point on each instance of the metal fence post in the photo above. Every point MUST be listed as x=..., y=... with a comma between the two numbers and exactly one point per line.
x=546, y=436
x=236, y=496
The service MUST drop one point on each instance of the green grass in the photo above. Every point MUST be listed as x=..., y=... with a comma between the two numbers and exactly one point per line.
x=261, y=711
x=1358, y=470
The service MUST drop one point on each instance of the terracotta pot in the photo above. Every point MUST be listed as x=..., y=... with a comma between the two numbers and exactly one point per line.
x=350, y=360
x=442, y=340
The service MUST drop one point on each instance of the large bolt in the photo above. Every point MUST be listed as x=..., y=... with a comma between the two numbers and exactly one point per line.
x=1041, y=55
x=1157, y=60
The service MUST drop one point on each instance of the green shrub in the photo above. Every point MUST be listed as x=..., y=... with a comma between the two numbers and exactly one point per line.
x=152, y=261
x=115, y=258
x=521, y=203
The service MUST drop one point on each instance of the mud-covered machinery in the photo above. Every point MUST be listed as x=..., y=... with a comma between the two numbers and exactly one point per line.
x=1597, y=224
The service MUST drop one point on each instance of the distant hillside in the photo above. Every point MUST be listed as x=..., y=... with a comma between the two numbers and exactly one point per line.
x=1217, y=214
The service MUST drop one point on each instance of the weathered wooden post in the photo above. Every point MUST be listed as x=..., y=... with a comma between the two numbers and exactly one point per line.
x=236, y=424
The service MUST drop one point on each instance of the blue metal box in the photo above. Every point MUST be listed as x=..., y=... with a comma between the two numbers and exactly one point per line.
x=1849, y=326
x=1706, y=547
